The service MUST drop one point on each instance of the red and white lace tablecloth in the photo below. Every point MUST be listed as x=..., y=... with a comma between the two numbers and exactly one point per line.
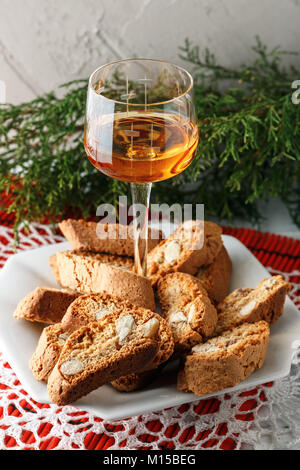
x=265, y=417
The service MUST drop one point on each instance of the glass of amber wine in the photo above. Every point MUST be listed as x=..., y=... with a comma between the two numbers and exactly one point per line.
x=140, y=127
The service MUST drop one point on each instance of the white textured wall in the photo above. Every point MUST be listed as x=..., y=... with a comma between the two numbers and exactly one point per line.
x=46, y=42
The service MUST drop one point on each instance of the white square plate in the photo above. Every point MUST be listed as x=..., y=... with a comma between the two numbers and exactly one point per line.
x=25, y=271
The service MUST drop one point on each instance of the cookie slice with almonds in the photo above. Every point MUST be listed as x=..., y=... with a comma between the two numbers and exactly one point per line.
x=92, y=307
x=186, y=308
x=226, y=360
x=89, y=309
x=119, y=344
x=165, y=349
x=265, y=302
x=193, y=244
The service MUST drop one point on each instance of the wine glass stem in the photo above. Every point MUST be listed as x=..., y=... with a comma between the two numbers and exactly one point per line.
x=140, y=194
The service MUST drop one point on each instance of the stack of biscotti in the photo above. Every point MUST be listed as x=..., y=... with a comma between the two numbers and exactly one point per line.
x=89, y=309
x=97, y=277
x=102, y=259
x=240, y=339
x=105, y=264
x=103, y=326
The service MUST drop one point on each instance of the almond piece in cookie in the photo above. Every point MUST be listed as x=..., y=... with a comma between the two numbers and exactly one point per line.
x=193, y=244
x=165, y=350
x=90, y=273
x=96, y=354
x=265, y=302
x=216, y=276
x=116, y=239
x=187, y=309
x=45, y=305
x=226, y=360
x=89, y=308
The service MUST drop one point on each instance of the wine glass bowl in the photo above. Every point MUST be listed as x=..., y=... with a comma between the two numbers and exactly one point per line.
x=140, y=120
x=140, y=127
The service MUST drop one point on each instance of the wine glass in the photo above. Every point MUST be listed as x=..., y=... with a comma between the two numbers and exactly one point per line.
x=140, y=127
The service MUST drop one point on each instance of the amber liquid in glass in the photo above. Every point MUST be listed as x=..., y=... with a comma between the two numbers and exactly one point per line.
x=142, y=148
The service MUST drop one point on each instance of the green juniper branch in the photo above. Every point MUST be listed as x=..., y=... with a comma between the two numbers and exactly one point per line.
x=249, y=146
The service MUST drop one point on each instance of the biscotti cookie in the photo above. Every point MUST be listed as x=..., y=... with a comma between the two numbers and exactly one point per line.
x=119, y=344
x=49, y=347
x=265, y=302
x=165, y=350
x=116, y=239
x=93, y=307
x=187, y=309
x=89, y=308
x=64, y=260
x=216, y=276
x=193, y=244
x=45, y=305
x=104, y=273
x=126, y=285
x=226, y=360
x=66, y=264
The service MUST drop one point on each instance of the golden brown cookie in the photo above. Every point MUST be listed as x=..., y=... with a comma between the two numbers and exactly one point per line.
x=187, y=309
x=116, y=239
x=45, y=305
x=165, y=350
x=119, y=344
x=225, y=360
x=90, y=273
x=193, y=244
x=265, y=302
x=216, y=276
x=93, y=307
